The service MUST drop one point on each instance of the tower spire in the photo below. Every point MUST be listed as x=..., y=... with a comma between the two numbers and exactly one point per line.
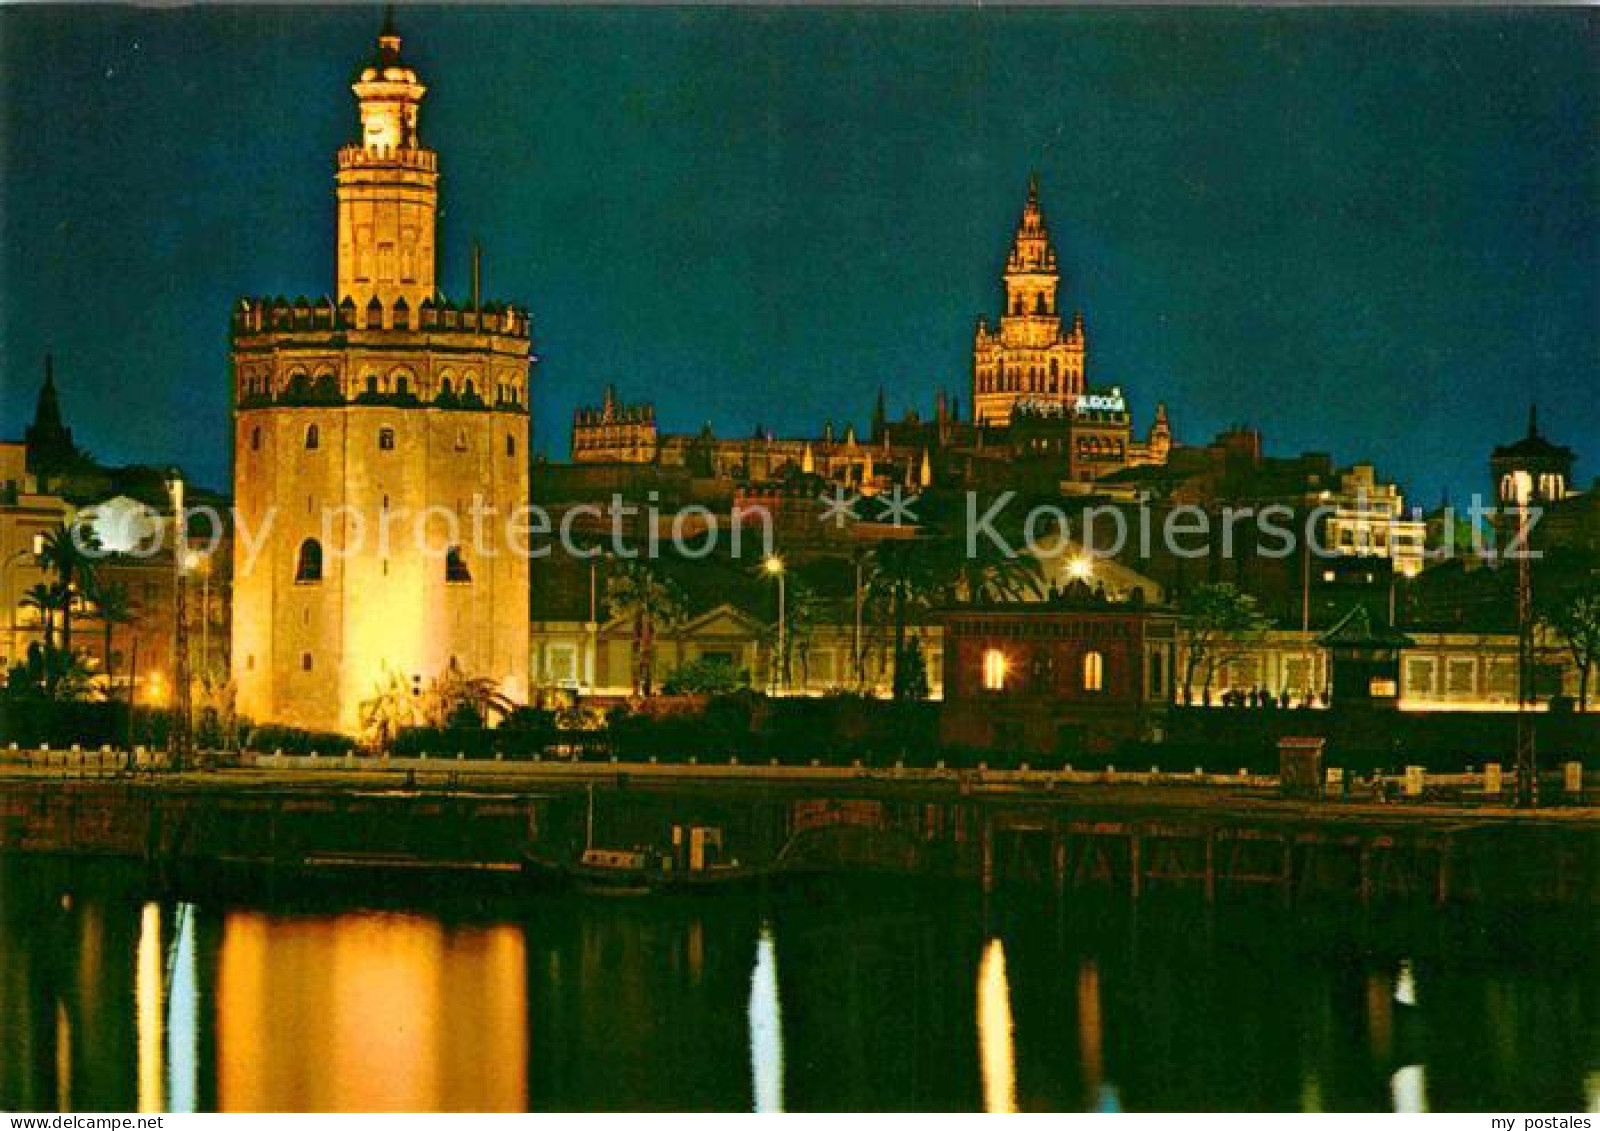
x=1533, y=420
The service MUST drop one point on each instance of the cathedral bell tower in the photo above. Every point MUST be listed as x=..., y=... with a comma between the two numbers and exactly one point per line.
x=1027, y=358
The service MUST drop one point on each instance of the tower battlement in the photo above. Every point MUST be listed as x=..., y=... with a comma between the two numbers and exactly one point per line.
x=253, y=316
x=388, y=157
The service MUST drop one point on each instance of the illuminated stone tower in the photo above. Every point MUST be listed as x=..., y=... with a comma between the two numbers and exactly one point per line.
x=380, y=453
x=1027, y=358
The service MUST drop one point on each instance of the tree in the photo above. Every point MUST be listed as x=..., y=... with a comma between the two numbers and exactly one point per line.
x=904, y=577
x=990, y=572
x=706, y=677
x=1216, y=623
x=457, y=699
x=43, y=599
x=113, y=606
x=392, y=708
x=1573, y=614
x=66, y=553
x=653, y=602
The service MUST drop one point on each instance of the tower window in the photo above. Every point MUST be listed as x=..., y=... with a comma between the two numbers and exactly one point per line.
x=308, y=567
x=255, y=439
x=511, y=445
x=305, y=661
x=461, y=439
x=386, y=439
x=455, y=566
x=1094, y=671
x=313, y=438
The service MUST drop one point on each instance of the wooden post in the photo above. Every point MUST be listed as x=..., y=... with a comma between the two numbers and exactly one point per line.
x=1135, y=864
x=1366, y=873
x=988, y=854
x=1058, y=857
x=1211, y=866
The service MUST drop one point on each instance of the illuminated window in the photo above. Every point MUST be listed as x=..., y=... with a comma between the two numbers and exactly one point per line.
x=455, y=566
x=313, y=437
x=308, y=567
x=994, y=670
x=386, y=439
x=1094, y=671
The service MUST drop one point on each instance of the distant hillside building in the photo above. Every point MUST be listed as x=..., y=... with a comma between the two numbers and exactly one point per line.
x=1033, y=414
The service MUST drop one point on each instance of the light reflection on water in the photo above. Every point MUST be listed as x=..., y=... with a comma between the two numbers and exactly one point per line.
x=863, y=999
x=766, y=1027
x=996, y=1051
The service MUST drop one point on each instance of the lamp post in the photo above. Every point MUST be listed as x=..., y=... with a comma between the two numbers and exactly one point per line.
x=36, y=553
x=181, y=738
x=774, y=568
x=1527, y=753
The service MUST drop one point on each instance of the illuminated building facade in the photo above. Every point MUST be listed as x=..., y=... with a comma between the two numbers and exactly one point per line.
x=1056, y=678
x=380, y=450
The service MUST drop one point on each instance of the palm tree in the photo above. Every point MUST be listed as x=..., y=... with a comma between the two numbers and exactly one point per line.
x=637, y=591
x=63, y=554
x=391, y=709
x=113, y=606
x=455, y=691
x=904, y=577
x=42, y=598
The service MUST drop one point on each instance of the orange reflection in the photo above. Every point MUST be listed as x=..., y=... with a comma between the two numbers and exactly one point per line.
x=996, y=1052
x=1090, y=1041
x=370, y=1012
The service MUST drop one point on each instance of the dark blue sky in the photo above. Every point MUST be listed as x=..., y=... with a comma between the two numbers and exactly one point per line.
x=1370, y=232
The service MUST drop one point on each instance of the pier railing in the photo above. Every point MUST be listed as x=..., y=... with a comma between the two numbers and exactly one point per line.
x=1563, y=783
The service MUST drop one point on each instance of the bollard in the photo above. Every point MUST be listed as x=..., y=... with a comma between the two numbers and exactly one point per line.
x=498, y=756
x=1414, y=781
x=814, y=762
x=939, y=765
x=1492, y=779
x=1572, y=777
x=652, y=759
x=1023, y=768
x=733, y=760
x=460, y=757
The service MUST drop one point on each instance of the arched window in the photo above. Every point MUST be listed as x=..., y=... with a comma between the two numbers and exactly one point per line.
x=313, y=437
x=461, y=439
x=995, y=667
x=402, y=385
x=308, y=568
x=1094, y=671
x=455, y=566
x=372, y=384
x=386, y=439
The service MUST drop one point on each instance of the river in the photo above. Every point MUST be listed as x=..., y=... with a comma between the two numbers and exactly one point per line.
x=860, y=994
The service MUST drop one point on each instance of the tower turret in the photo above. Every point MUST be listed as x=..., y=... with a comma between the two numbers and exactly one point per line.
x=388, y=187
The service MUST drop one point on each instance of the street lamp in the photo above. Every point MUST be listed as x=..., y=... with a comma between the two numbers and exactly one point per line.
x=1080, y=568
x=19, y=556
x=1527, y=748
x=774, y=568
x=181, y=737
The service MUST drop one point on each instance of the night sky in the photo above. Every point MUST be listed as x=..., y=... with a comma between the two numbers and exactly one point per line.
x=1370, y=233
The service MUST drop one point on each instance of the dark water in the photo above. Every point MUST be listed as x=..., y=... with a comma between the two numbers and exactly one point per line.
x=836, y=996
